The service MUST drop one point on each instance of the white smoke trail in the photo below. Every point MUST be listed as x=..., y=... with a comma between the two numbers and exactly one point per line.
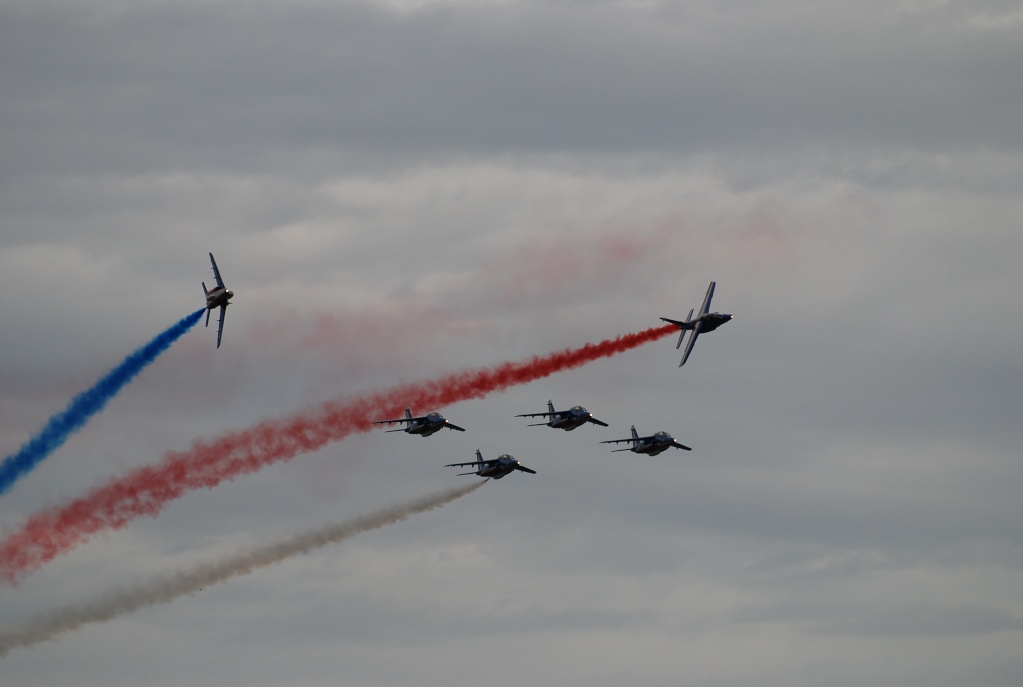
x=168, y=588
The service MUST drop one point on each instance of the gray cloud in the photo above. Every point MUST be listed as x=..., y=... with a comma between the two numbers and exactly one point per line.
x=162, y=87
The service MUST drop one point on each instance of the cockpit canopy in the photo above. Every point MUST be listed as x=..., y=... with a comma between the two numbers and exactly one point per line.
x=578, y=409
x=435, y=416
x=662, y=436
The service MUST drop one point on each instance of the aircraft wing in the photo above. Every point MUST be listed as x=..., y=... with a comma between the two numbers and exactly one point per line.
x=689, y=344
x=705, y=308
x=636, y=442
x=540, y=424
x=216, y=272
x=681, y=446
x=455, y=427
x=220, y=325
x=597, y=422
x=391, y=422
x=486, y=464
x=523, y=468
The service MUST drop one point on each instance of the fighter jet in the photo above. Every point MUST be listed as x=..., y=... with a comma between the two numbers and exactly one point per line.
x=423, y=426
x=651, y=445
x=565, y=419
x=219, y=297
x=706, y=321
x=495, y=467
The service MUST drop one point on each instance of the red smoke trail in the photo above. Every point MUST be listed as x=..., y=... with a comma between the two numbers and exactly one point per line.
x=145, y=490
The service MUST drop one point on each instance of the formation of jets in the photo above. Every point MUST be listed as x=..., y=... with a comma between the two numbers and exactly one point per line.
x=568, y=419
x=576, y=416
x=496, y=468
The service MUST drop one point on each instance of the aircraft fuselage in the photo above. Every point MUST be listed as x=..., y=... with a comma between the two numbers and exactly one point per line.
x=712, y=321
x=569, y=420
x=426, y=426
x=498, y=469
x=425, y=429
x=658, y=443
x=218, y=297
x=707, y=322
x=651, y=449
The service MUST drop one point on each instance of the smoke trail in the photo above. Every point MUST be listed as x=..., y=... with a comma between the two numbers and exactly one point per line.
x=88, y=403
x=145, y=490
x=170, y=587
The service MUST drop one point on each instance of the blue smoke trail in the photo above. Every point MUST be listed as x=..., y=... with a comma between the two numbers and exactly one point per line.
x=88, y=403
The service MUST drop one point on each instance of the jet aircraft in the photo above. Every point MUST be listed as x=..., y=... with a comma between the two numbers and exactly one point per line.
x=423, y=426
x=219, y=297
x=651, y=445
x=706, y=321
x=495, y=467
x=565, y=419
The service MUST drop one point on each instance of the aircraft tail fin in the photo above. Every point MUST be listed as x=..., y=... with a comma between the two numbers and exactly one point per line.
x=635, y=434
x=479, y=461
x=208, y=311
x=408, y=413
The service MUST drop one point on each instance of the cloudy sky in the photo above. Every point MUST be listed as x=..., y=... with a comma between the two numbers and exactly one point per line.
x=397, y=190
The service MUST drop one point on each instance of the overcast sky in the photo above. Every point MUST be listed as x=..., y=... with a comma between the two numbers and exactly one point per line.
x=396, y=190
